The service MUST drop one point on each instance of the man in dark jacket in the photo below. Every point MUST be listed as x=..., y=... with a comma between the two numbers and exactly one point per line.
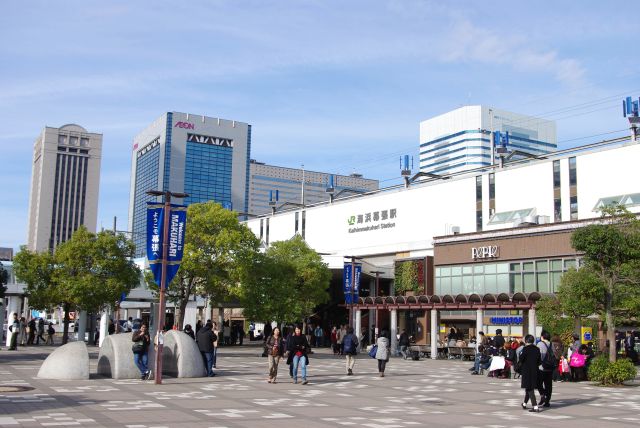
x=498, y=340
x=403, y=343
x=206, y=338
x=350, y=346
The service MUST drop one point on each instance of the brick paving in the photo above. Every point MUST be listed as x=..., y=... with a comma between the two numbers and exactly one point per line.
x=412, y=394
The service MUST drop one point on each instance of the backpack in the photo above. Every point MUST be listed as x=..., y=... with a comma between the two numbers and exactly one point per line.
x=348, y=344
x=549, y=363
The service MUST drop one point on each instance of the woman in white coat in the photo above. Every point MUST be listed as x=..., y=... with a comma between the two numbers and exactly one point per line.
x=382, y=355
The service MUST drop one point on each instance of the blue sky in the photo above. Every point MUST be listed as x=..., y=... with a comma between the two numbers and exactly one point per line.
x=339, y=86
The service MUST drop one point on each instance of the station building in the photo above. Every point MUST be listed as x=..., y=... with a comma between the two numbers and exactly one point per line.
x=488, y=242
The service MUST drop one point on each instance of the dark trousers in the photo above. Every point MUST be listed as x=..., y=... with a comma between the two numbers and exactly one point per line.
x=13, y=342
x=381, y=365
x=545, y=384
x=207, y=357
x=530, y=394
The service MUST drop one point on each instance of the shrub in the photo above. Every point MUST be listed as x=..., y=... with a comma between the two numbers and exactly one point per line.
x=598, y=369
x=606, y=373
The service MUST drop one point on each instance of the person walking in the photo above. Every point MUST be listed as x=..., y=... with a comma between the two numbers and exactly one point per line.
x=319, y=336
x=50, y=333
x=141, y=341
x=14, y=329
x=32, y=331
x=40, y=331
x=275, y=349
x=529, y=362
x=334, y=340
x=350, y=347
x=403, y=343
x=22, y=339
x=547, y=366
x=216, y=333
x=382, y=354
x=299, y=350
x=343, y=333
x=205, y=345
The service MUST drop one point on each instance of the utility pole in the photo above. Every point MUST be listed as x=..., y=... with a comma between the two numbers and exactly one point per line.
x=163, y=276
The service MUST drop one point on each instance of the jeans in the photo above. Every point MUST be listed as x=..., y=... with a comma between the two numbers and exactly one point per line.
x=141, y=361
x=302, y=362
x=207, y=357
x=215, y=355
x=403, y=351
x=477, y=365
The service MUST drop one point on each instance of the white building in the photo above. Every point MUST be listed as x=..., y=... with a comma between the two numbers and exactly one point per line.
x=462, y=139
x=288, y=182
x=64, y=185
x=205, y=157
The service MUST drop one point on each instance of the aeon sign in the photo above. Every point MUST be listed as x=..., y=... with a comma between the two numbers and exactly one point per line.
x=184, y=125
x=488, y=252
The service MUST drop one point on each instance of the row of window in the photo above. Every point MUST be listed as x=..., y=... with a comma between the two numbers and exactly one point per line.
x=73, y=140
x=526, y=276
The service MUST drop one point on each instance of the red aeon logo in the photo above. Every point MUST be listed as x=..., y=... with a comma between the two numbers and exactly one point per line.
x=185, y=125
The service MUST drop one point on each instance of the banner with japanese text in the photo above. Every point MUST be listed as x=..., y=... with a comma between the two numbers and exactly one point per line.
x=348, y=281
x=155, y=213
x=177, y=229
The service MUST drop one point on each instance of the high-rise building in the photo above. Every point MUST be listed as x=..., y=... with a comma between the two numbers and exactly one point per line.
x=64, y=185
x=205, y=157
x=462, y=139
x=288, y=182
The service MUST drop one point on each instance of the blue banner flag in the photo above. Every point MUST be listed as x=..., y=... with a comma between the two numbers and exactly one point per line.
x=155, y=213
x=177, y=230
x=347, y=282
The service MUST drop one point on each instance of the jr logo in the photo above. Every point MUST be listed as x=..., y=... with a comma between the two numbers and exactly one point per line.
x=351, y=220
x=185, y=125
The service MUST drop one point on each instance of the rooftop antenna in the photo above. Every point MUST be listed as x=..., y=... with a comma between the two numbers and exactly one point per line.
x=405, y=171
x=630, y=110
x=331, y=188
x=273, y=200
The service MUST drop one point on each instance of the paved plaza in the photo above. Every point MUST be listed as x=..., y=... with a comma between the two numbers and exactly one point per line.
x=413, y=394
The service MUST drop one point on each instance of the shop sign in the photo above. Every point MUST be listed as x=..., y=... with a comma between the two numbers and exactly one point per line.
x=586, y=335
x=488, y=252
x=374, y=220
x=184, y=125
x=506, y=320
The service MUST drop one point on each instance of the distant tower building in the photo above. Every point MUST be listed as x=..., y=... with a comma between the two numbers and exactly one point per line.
x=64, y=185
x=205, y=157
x=288, y=182
x=461, y=139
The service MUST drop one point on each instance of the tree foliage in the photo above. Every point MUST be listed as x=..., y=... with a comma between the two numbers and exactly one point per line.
x=406, y=277
x=4, y=279
x=551, y=316
x=286, y=283
x=612, y=254
x=87, y=272
x=217, y=249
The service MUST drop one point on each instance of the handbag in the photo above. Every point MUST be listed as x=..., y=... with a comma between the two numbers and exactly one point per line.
x=275, y=350
x=137, y=347
x=373, y=351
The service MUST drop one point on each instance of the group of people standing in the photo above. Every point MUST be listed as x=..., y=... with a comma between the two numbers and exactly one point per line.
x=25, y=333
x=295, y=347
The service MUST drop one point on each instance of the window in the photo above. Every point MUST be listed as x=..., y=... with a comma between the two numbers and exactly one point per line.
x=304, y=223
x=479, y=203
x=492, y=193
x=84, y=142
x=557, y=198
x=73, y=141
x=573, y=206
x=573, y=177
x=62, y=139
x=261, y=228
x=296, y=222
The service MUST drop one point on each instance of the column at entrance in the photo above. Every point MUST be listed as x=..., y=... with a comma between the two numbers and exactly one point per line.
x=358, y=329
x=394, y=331
x=532, y=321
x=479, y=324
x=435, y=325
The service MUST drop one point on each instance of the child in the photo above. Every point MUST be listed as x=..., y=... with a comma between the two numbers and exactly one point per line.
x=563, y=370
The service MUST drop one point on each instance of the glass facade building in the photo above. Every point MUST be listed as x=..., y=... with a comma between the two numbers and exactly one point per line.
x=206, y=158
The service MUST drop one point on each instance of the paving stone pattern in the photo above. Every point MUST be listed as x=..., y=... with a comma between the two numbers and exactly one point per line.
x=412, y=394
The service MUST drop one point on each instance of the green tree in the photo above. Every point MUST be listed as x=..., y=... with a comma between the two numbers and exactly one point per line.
x=87, y=272
x=551, y=316
x=217, y=249
x=286, y=284
x=4, y=279
x=406, y=277
x=579, y=294
x=612, y=252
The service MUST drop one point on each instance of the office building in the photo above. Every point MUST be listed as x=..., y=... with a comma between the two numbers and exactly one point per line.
x=64, y=185
x=462, y=139
x=205, y=157
x=288, y=182
x=6, y=254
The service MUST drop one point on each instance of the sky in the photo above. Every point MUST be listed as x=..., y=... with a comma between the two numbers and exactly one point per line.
x=339, y=86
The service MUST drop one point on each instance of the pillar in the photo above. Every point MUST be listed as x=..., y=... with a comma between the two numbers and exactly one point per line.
x=104, y=324
x=479, y=324
x=434, y=333
x=358, y=329
x=190, y=314
x=394, y=331
x=12, y=308
x=82, y=325
x=370, y=332
x=532, y=322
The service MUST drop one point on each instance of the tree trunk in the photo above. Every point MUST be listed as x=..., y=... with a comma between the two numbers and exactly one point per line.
x=65, y=332
x=577, y=325
x=611, y=328
x=182, y=308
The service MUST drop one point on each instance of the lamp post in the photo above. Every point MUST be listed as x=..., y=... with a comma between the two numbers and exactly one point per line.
x=163, y=276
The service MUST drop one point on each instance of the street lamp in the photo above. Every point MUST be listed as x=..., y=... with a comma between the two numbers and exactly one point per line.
x=163, y=276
